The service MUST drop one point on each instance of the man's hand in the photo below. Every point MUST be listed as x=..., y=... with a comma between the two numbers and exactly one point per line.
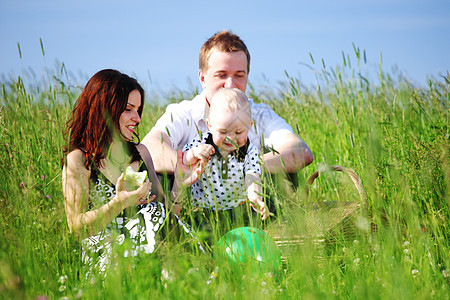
x=186, y=175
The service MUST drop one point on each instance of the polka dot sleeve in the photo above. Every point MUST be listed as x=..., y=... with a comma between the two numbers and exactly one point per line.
x=192, y=144
x=252, y=162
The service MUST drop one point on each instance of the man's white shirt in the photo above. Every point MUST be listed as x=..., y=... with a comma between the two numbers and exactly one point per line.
x=183, y=121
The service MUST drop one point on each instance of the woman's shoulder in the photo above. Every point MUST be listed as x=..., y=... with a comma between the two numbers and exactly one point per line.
x=76, y=160
x=77, y=154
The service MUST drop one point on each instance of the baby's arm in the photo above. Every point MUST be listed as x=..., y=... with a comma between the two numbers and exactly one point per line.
x=201, y=152
x=254, y=190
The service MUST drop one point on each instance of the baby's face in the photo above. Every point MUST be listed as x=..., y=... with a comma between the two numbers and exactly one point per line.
x=229, y=129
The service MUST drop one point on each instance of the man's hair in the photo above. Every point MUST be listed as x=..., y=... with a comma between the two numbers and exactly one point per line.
x=232, y=100
x=223, y=41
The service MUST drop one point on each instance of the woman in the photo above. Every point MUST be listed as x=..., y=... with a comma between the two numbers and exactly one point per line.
x=99, y=209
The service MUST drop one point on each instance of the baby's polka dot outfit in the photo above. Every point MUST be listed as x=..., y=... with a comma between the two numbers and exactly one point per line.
x=222, y=186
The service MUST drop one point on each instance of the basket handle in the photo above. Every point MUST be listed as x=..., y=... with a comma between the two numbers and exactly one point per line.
x=356, y=181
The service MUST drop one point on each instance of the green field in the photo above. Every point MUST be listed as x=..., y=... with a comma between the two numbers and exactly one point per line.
x=393, y=134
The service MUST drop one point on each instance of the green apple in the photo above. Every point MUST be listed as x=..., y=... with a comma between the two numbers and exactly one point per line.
x=134, y=179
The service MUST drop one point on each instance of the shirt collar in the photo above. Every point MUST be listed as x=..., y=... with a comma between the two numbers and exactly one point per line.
x=201, y=108
x=239, y=154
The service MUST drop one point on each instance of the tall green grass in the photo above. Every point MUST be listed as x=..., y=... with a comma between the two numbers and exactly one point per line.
x=393, y=134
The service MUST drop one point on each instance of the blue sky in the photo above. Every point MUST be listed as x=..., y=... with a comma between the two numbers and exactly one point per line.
x=158, y=41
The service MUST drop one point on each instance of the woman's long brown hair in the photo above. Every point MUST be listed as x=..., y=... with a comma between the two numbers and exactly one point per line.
x=95, y=117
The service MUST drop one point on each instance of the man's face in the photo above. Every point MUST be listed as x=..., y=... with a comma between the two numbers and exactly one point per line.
x=226, y=69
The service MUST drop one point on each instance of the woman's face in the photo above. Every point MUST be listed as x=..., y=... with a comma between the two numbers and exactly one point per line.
x=129, y=119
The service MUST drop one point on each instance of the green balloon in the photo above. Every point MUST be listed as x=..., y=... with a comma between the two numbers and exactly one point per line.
x=248, y=249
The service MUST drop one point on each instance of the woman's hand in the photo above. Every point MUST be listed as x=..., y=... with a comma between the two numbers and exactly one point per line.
x=82, y=221
x=136, y=197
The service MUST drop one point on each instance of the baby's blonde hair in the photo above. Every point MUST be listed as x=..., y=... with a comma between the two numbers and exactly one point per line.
x=230, y=99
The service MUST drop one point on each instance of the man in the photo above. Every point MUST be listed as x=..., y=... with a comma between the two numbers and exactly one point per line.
x=224, y=61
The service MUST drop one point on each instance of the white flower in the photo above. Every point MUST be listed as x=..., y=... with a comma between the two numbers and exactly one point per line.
x=167, y=275
x=164, y=274
x=376, y=248
x=62, y=288
x=62, y=279
x=78, y=294
x=192, y=270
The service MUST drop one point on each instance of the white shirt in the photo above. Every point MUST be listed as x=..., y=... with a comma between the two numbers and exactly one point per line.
x=183, y=121
x=222, y=185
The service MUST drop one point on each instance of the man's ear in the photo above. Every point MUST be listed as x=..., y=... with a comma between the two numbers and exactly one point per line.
x=201, y=77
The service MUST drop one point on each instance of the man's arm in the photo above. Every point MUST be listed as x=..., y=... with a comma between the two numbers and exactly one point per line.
x=290, y=155
x=160, y=147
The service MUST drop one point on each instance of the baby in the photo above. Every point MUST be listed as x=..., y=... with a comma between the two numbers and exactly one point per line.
x=232, y=172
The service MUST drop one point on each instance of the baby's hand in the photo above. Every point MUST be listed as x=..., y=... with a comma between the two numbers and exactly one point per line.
x=262, y=209
x=201, y=153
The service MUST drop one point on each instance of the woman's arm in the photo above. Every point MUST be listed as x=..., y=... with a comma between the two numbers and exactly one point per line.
x=75, y=180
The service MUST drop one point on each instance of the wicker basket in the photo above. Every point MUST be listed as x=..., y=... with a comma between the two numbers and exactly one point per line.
x=340, y=219
x=323, y=221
